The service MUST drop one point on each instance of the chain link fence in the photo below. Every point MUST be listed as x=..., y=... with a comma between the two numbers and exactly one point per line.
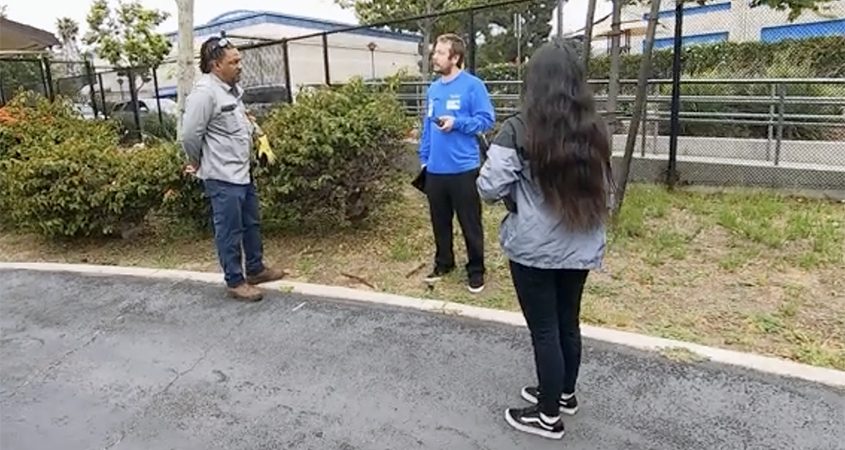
x=128, y=95
x=760, y=98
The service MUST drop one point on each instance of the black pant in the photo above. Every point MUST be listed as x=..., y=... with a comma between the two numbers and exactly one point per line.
x=551, y=303
x=447, y=195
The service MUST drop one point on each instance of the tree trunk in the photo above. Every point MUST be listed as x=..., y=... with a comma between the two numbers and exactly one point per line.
x=639, y=106
x=613, y=81
x=185, y=59
x=427, y=28
x=588, y=35
x=426, y=51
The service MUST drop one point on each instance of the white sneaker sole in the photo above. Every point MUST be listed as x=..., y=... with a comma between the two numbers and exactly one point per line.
x=476, y=290
x=533, y=400
x=531, y=430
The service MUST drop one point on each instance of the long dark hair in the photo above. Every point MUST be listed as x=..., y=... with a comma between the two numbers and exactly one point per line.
x=566, y=140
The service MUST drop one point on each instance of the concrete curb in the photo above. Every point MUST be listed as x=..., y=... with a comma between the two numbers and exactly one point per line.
x=766, y=364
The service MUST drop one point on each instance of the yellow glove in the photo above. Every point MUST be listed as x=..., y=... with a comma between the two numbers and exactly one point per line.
x=264, y=150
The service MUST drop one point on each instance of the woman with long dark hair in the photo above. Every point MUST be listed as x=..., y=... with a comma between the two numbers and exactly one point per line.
x=550, y=164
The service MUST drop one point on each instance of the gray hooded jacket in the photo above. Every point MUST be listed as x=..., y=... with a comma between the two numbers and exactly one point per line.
x=531, y=234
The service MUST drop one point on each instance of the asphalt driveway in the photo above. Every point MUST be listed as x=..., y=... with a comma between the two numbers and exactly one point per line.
x=128, y=363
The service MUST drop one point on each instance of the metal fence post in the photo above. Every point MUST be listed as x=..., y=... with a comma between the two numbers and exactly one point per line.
x=326, y=59
x=655, y=126
x=286, y=62
x=2, y=91
x=644, y=132
x=675, y=122
x=48, y=71
x=781, y=107
x=158, y=97
x=43, y=77
x=103, y=96
x=89, y=74
x=770, y=129
x=472, y=45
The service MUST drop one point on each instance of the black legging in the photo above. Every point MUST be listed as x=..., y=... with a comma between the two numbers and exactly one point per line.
x=551, y=302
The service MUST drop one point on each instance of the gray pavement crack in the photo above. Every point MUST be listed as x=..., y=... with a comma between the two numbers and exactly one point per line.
x=131, y=426
x=42, y=374
x=185, y=372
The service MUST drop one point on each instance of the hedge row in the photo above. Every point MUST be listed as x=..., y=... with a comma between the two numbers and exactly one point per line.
x=822, y=57
x=64, y=176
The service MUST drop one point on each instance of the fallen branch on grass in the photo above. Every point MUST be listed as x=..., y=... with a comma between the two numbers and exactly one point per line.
x=360, y=280
x=416, y=270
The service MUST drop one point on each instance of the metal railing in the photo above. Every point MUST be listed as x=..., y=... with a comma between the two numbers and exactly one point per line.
x=774, y=113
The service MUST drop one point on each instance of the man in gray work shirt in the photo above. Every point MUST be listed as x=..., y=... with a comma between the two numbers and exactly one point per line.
x=217, y=139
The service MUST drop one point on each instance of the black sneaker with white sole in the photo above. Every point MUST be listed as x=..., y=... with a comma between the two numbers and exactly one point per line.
x=568, y=403
x=530, y=420
x=437, y=274
x=475, y=284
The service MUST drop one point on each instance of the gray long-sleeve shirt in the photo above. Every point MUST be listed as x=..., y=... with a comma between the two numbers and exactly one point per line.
x=216, y=133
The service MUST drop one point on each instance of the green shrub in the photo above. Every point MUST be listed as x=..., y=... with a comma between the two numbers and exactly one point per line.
x=61, y=175
x=339, y=152
x=78, y=188
x=184, y=200
x=30, y=121
x=153, y=130
x=822, y=56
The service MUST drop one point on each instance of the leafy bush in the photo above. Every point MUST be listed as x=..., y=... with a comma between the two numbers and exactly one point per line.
x=61, y=175
x=184, y=200
x=822, y=57
x=338, y=153
x=153, y=130
x=30, y=121
x=77, y=188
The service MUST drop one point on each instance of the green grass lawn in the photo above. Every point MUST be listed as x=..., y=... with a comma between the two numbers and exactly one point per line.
x=746, y=270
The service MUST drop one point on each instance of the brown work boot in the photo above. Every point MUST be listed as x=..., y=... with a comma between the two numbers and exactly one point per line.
x=266, y=276
x=246, y=292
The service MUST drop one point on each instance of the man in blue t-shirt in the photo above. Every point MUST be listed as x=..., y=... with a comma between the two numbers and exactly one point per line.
x=458, y=108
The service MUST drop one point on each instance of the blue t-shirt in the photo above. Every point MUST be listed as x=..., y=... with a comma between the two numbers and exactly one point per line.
x=466, y=99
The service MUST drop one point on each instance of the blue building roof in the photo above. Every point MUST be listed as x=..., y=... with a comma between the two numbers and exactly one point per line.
x=244, y=18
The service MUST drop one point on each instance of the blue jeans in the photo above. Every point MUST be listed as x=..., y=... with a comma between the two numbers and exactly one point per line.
x=237, y=232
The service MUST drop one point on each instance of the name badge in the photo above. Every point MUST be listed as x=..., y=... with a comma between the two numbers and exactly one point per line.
x=453, y=104
x=430, y=109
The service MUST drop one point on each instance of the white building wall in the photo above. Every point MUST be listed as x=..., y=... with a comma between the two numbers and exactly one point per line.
x=349, y=56
x=741, y=22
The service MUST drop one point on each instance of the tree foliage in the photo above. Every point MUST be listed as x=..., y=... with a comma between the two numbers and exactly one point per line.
x=795, y=7
x=496, y=32
x=125, y=36
x=501, y=34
